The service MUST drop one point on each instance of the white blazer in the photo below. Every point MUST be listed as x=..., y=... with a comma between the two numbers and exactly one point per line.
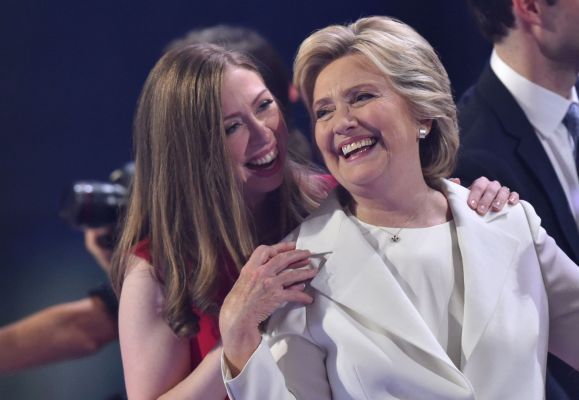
x=362, y=338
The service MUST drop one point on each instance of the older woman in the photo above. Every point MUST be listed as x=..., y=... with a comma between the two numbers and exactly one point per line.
x=415, y=297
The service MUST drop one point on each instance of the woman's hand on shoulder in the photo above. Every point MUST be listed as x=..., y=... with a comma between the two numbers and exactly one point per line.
x=488, y=195
x=273, y=276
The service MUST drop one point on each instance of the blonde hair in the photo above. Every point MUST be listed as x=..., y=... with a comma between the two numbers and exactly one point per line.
x=408, y=62
x=185, y=198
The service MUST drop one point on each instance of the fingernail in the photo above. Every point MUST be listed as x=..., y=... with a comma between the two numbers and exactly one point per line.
x=482, y=209
x=472, y=203
x=497, y=204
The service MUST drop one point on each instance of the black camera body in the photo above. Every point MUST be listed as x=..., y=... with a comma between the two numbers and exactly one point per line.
x=95, y=204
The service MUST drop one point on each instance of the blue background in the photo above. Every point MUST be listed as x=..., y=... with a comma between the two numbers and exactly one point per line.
x=70, y=74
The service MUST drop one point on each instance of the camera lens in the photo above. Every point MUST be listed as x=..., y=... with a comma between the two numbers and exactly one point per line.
x=90, y=204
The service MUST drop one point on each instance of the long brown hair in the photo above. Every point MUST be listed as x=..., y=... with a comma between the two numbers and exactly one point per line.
x=185, y=198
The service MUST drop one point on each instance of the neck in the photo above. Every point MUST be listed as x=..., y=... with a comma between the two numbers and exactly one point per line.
x=402, y=206
x=523, y=54
x=264, y=218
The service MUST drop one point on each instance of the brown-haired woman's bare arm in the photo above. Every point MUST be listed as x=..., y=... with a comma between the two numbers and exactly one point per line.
x=157, y=363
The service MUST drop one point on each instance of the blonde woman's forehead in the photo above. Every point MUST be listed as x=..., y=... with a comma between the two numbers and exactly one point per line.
x=344, y=73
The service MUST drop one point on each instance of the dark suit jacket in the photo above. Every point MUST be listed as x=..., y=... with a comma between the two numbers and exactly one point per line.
x=498, y=141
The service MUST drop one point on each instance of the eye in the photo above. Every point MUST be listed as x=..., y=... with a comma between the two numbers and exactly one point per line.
x=322, y=113
x=231, y=128
x=363, y=97
x=264, y=105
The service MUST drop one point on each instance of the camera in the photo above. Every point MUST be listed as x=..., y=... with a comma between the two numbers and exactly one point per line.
x=95, y=204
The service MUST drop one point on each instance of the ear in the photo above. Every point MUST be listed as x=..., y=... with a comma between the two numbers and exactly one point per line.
x=528, y=11
x=427, y=123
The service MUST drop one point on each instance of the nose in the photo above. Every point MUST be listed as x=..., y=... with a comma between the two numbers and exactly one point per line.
x=259, y=131
x=345, y=120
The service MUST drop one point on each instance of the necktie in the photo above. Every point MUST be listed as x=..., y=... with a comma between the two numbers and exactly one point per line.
x=571, y=122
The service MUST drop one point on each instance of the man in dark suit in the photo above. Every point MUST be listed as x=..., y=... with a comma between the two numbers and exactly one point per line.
x=517, y=121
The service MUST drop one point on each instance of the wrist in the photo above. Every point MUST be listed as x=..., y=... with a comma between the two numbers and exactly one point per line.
x=238, y=350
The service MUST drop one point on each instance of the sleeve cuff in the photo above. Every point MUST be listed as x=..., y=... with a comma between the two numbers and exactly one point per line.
x=247, y=385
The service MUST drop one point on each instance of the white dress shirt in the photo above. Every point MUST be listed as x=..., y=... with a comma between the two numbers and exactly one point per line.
x=427, y=264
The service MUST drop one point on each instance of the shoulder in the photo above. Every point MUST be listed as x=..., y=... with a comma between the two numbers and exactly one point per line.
x=509, y=217
x=530, y=215
x=520, y=218
x=323, y=224
x=468, y=98
x=143, y=250
x=141, y=290
x=470, y=101
x=474, y=113
x=323, y=221
x=480, y=105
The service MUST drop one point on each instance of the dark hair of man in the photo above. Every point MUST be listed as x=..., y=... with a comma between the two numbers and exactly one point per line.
x=495, y=17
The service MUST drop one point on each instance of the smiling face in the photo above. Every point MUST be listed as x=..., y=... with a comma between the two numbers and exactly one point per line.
x=363, y=128
x=256, y=133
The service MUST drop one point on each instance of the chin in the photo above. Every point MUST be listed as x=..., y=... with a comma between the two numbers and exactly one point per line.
x=360, y=177
x=258, y=187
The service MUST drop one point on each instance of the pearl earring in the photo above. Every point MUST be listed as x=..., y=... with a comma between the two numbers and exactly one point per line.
x=422, y=132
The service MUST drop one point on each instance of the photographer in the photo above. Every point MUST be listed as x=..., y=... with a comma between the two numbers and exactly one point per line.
x=64, y=331
x=78, y=328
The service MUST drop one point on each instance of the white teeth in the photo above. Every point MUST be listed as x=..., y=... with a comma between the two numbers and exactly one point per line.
x=350, y=147
x=269, y=157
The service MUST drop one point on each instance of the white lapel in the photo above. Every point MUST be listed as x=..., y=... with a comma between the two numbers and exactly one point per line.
x=352, y=274
x=355, y=276
x=487, y=255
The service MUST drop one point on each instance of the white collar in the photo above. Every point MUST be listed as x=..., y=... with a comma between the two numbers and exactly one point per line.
x=544, y=109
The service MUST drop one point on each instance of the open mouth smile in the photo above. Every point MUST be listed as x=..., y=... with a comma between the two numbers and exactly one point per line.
x=264, y=162
x=357, y=146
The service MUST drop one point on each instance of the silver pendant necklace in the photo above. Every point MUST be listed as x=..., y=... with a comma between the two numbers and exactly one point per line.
x=394, y=237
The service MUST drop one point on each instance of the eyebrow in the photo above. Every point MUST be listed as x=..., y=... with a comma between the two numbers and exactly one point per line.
x=253, y=103
x=346, y=92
